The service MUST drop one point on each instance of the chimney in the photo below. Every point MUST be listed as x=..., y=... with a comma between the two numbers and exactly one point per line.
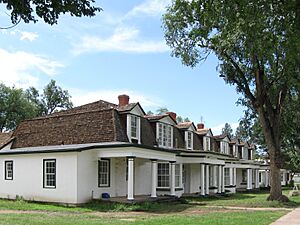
x=200, y=126
x=123, y=100
x=172, y=114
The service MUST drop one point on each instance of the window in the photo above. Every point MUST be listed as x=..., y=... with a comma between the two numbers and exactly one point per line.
x=177, y=175
x=163, y=175
x=165, y=135
x=49, y=173
x=9, y=170
x=259, y=177
x=189, y=140
x=227, y=176
x=104, y=173
x=206, y=143
x=244, y=176
x=134, y=126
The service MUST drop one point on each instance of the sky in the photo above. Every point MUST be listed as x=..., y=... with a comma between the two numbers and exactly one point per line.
x=119, y=51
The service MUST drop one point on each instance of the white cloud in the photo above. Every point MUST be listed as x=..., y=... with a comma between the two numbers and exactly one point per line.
x=80, y=97
x=30, y=36
x=124, y=39
x=218, y=129
x=23, y=35
x=22, y=68
x=149, y=8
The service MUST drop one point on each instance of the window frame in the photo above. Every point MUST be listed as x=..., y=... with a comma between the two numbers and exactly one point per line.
x=227, y=176
x=189, y=141
x=134, y=118
x=165, y=175
x=6, y=162
x=45, y=176
x=164, y=133
x=206, y=140
x=137, y=138
x=177, y=175
x=108, y=173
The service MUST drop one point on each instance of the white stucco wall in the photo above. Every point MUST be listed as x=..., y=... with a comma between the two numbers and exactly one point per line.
x=28, y=178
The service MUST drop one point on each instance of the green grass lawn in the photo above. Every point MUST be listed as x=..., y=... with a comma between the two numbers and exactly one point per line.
x=189, y=211
x=216, y=218
x=257, y=200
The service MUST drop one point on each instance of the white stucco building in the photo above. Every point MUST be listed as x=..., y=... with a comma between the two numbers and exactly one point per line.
x=77, y=155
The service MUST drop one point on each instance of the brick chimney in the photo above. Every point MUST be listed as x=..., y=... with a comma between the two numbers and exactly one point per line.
x=123, y=100
x=172, y=114
x=200, y=126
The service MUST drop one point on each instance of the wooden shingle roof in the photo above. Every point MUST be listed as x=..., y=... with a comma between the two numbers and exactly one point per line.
x=4, y=138
x=92, y=123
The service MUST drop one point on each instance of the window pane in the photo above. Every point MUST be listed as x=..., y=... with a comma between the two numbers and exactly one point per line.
x=50, y=173
x=103, y=173
x=134, y=126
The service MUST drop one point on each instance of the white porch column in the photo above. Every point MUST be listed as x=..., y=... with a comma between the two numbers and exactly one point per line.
x=215, y=177
x=172, y=186
x=220, y=179
x=256, y=178
x=249, y=179
x=202, y=168
x=234, y=176
x=223, y=179
x=231, y=176
x=153, y=178
x=266, y=178
x=130, y=194
x=207, y=180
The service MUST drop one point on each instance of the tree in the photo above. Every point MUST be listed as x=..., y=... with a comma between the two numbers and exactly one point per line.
x=258, y=46
x=49, y=11
x=227, y=130
x=54, y=98
x=14, y=107
x=149, y=113
x=162, y=110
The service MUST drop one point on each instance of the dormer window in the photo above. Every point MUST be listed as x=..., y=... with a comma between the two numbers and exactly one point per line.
x=189, y=139
x=206, y=145
x=133, y=128
x=165, y=135
x=224, y=147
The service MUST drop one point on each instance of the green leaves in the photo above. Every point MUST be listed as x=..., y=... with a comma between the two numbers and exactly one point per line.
x=17, y=105
x=14, y=107
x=49, y=11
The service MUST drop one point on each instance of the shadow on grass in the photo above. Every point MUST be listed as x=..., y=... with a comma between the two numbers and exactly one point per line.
x=153, y=207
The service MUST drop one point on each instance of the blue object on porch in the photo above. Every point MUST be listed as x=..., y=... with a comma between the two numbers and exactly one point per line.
x=105, y=195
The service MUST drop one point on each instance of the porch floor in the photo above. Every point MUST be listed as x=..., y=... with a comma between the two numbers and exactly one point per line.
x=142, y=198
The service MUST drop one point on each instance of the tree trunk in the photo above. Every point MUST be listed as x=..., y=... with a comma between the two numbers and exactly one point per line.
x=276, y=191
x=273, y=141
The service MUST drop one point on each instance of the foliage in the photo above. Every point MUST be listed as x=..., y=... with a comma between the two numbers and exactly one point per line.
x=54, y=98
x=227, y=130
x=179, y=119
x=17, y=105
x=49, y=11
x=149, y=113
x=14, y=107
x=258, y=46
x=162, y=110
